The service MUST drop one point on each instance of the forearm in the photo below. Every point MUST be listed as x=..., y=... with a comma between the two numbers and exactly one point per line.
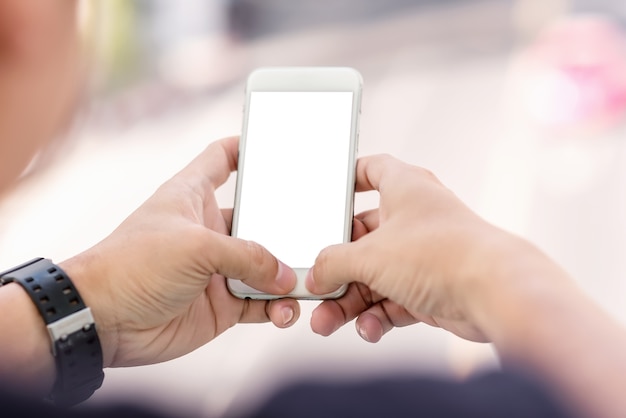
x=25, y=348
x=540, y=321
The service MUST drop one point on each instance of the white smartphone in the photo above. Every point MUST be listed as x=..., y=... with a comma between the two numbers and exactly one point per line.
x=297, y=159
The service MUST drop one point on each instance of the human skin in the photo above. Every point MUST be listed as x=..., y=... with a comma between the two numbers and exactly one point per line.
x=156, y=285
x=424, y=256
x=39, y=72
x=40, y=78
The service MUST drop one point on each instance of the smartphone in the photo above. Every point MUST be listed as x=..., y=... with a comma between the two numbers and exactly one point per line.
x=296, y=169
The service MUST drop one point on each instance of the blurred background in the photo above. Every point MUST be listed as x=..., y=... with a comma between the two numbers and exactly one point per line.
x=517, y=105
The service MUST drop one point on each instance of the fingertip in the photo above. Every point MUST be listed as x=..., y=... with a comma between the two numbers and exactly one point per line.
x=363, y=333
x=285, y=277
x=335, y=266
x=321, y=267
x=284, y=313
x=369, y=328
x=325, y=318
x=309, y=281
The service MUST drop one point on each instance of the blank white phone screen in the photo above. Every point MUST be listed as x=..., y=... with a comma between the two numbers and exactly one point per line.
x=295, y=176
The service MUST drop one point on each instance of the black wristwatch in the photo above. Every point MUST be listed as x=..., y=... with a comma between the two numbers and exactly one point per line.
x=75, y=343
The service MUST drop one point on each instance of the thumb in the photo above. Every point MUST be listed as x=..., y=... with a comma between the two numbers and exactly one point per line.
x=335, y=266
x=251, y=263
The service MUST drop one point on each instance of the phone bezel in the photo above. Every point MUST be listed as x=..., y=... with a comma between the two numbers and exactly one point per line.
x=300, y=79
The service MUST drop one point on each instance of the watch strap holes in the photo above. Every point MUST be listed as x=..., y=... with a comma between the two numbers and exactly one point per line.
x=75, y=343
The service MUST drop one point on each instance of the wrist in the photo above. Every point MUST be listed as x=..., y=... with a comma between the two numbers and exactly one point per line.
x=27, y=360
x=91, y=283
x=514, y=291
x=73, y=339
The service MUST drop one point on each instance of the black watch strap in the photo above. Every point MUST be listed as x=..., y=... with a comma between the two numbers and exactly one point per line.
x=75, y=344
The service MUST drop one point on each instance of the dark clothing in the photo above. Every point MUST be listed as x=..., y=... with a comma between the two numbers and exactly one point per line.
x=490, y=395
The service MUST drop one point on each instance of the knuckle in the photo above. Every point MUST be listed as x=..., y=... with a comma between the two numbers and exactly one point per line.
x=365, y=269
x=386, y=157
x=388, y=160
x=426, y=174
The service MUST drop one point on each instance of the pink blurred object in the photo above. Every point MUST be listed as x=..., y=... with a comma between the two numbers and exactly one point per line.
x=573, y=78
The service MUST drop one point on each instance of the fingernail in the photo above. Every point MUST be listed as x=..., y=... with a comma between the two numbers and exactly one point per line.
x=285, y=277
x=309, y=281
x=287, y=314
x=363, y=333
